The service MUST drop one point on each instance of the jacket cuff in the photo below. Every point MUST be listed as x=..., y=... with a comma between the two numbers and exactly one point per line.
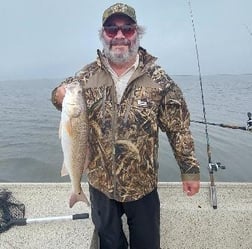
x=190, y=177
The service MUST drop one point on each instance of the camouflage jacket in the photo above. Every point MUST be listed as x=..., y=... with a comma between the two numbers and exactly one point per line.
x=123, y=137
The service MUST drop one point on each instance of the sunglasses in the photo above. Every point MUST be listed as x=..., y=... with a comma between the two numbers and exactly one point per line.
x=127, y=30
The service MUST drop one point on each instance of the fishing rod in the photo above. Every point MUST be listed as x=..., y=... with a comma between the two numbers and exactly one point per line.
x=211, y=166
x=221, y=125
x=244, y=128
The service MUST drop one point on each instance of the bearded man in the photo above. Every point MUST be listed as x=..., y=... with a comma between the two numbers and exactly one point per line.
x=129, y=99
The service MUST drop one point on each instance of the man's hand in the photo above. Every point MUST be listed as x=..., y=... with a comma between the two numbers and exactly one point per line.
x=60, y=94
x=191, y=187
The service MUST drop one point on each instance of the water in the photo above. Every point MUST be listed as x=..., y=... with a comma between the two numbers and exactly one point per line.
x=30, y=150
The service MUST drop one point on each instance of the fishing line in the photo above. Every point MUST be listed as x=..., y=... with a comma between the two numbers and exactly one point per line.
x=201, y=84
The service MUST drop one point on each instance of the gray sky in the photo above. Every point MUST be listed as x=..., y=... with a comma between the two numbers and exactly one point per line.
x=55, y=38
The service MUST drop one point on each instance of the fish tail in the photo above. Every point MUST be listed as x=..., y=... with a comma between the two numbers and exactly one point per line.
x=78, y=197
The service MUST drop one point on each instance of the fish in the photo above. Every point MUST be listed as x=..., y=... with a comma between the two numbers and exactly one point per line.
x=73, y=133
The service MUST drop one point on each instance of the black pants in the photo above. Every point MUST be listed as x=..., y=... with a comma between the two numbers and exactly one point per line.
x=143, y=218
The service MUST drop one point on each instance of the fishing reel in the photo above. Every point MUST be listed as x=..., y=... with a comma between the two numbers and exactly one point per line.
x=249, y=122
x=215, y=166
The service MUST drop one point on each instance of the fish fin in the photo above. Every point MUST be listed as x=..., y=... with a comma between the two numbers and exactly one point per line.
x=76, y=112
x=78, y=197
x=64, y=171
x=69, y=127
x=87, y=160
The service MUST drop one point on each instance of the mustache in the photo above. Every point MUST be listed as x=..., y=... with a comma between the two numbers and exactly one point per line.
x=124, y=42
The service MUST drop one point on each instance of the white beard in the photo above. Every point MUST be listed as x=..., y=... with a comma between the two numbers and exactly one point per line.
x=120, y=58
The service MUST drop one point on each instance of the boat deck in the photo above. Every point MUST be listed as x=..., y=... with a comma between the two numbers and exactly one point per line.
x=186, y=222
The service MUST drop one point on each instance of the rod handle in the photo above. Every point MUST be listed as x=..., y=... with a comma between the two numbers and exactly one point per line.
x=80, y=216
x=18, y=222
x=213, y=196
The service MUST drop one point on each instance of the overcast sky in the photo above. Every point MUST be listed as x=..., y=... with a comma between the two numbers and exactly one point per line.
x=55, y=38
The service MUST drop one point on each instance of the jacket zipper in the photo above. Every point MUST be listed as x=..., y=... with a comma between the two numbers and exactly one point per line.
x=114, y=128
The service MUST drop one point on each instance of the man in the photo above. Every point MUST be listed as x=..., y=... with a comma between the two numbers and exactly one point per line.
x=129, y=99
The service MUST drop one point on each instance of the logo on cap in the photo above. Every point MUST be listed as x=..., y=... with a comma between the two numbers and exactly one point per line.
x=119, y=8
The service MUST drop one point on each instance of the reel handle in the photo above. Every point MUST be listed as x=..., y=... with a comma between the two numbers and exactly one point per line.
x=215, y=166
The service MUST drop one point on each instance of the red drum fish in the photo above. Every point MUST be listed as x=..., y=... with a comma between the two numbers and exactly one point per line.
x=73, y=133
